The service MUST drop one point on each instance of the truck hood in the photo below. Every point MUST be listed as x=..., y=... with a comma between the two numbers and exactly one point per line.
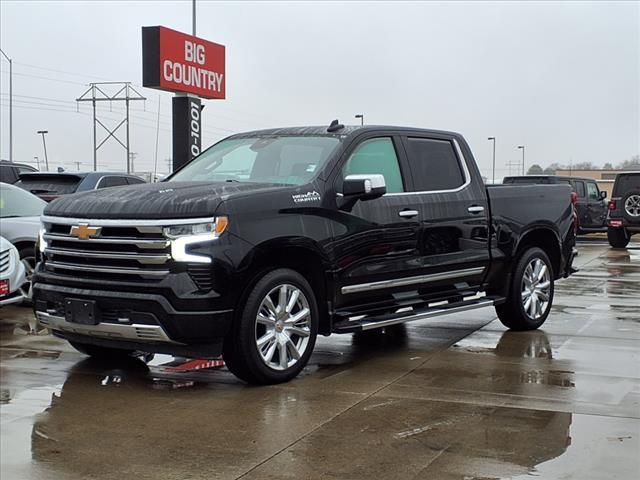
x=153, y=200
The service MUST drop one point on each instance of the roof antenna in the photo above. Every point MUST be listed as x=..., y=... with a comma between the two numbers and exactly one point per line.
x=335, y=126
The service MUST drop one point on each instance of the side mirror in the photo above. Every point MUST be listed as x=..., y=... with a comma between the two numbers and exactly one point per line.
x=364, y=186
x=603, y=195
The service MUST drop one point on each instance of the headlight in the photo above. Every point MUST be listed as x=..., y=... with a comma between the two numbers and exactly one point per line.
x=42, y=243
x=182, y=236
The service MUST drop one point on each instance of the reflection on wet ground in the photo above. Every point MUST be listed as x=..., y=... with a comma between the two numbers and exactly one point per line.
x=455, y=398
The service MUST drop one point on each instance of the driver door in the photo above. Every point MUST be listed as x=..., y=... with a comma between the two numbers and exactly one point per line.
x=375, y=241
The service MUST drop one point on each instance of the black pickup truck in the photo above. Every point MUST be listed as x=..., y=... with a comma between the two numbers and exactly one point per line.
x=270, y=238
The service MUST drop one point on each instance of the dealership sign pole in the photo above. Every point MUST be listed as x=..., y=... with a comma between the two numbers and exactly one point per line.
x=192, y=68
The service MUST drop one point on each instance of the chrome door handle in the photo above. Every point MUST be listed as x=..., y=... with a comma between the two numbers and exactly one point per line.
x=475, y=209
x=408, y=213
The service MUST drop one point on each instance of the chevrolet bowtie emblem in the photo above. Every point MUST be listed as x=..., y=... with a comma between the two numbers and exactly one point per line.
x=84, y=231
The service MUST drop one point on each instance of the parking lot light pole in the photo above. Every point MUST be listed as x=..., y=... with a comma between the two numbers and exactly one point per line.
x=37, y=162
x=522, y=148
x=494, y=159
x=10, y=105
x=361, y=117
x=44, y=144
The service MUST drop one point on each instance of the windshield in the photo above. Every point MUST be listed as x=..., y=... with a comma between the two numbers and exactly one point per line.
x=287, y=160
x=15, y=202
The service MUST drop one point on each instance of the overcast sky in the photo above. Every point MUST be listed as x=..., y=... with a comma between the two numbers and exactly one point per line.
x=561, y=78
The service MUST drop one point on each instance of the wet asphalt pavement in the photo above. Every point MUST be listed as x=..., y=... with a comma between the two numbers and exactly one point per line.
x=455, y=398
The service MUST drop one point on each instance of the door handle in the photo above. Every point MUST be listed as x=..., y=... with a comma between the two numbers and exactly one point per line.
x=408, y=213
x=475, y=209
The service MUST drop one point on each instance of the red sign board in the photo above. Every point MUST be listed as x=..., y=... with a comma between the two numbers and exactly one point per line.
x=178, y=62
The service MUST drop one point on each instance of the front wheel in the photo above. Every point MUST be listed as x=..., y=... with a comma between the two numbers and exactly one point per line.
x=275, y=331
x=530, y=294
x=618, y=237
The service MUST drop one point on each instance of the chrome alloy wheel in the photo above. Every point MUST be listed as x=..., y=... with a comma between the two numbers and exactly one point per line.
x=536, y=288
x=283, y=327
x=632, y=205
x=29, y=267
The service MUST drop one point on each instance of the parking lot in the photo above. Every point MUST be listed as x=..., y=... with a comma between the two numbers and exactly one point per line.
x=453, y=398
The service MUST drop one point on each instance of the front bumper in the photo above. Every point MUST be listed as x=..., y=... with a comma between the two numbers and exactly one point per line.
x=132, y=320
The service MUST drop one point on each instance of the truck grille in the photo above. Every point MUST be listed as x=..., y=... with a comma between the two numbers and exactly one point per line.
x=4, y=260
x=104, y=250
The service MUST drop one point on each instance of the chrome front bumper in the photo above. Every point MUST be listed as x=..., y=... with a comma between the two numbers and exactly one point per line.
x=136, y=332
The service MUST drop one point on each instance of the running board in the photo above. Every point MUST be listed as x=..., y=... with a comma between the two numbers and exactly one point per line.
x=369, y=323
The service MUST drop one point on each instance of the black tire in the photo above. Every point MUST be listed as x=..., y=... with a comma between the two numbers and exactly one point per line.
x=101, y=353
x=241, y=352
x=28, y=258
x=618, y=237
x=512, y=313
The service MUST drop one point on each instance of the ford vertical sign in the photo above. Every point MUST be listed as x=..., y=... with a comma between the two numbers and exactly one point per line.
x=178, y=62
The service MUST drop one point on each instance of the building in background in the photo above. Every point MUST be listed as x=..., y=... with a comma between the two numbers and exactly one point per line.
x=604, y=178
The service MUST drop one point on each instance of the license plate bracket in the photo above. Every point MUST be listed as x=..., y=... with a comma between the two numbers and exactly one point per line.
x=81, y=311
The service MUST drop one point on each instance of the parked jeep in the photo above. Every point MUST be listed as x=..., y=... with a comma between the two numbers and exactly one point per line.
x=624, y=209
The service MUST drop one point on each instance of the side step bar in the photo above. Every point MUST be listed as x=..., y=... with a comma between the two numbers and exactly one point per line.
x=369, y=323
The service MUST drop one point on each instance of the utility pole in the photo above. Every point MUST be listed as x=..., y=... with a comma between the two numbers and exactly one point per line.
x=11, y=105
x=44, y=144
x=100, y=92
x=132, y=157
x=361, y=117
x=193, y=17
x=521, y=147
x=494, y=159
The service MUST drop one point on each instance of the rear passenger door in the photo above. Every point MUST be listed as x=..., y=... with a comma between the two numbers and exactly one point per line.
x=454, y=215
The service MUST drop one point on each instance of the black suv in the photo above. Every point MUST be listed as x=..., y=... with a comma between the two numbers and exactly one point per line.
x=49, y=186
x=624, y=209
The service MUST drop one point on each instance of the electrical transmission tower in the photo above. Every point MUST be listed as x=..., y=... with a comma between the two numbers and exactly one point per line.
x=102, y=92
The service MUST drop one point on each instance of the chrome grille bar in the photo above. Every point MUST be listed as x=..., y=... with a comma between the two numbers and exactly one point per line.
x=100, y=269
x=138, y=242
x=148, y=259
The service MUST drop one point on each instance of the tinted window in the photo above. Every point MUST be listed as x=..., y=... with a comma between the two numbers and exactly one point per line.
x=580, y=189
x=377, y=155
x=7, y=174
x=592, y=189
x=111, y=181
x=434, y=164
x=38, y=183
x=134, y=180
x=15, y=202
x=625, y=183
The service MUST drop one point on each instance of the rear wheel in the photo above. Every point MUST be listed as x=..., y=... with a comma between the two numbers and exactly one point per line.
x=530, y=294
x=98, y=352
x=618, y=237
x=275, y=333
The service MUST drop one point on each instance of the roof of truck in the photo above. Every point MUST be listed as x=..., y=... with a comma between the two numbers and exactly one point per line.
x=347, y=130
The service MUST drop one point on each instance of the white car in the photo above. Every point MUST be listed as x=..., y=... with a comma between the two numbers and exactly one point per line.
x=12, y=274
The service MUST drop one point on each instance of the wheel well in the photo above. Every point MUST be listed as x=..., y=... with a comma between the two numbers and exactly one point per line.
x=25, y=244
x=305, y=261
x=547, y=241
